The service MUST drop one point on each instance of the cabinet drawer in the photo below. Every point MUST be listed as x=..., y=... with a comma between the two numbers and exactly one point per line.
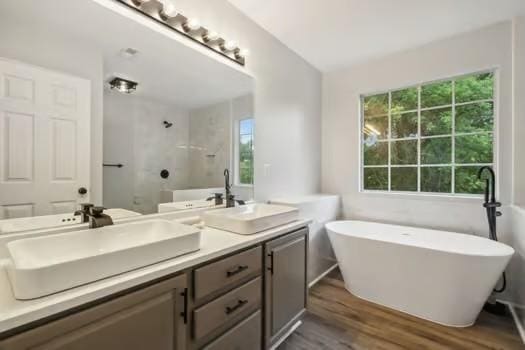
x=227, y=272
x=245, y=336
x=227, y=309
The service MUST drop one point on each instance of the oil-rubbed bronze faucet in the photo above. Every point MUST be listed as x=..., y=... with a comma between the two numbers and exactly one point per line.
x=94, y=215
x=217, y=197
x=230, y=198
x=84, y=211
x=98, y=219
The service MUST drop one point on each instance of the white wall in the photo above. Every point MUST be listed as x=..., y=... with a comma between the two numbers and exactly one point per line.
x=516, y=270
x=51, y=50
x=518, y=223
x=489, y=47
x=287, y=102
x=135, y=136
x=519, y=110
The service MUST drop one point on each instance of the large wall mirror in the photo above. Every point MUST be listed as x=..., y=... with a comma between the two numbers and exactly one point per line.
x=68, y=136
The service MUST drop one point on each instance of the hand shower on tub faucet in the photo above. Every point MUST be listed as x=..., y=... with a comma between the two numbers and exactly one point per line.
x=490, y=203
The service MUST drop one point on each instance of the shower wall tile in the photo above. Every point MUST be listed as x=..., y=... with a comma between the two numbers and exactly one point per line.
x=210, y=145
x=137, y=122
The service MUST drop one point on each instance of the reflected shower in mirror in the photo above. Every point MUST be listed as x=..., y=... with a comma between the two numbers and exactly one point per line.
x=116, y=113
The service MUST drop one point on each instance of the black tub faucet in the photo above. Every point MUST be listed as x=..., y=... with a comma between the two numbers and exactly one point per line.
x=490, y=191
x=491, y=206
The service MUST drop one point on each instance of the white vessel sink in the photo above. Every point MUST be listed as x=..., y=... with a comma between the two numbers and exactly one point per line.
x=48, y=264
x=251, y=218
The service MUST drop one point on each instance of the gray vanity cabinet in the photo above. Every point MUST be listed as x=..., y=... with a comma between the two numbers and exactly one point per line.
x=150, y=318
x=246, y=300
x=286, y=289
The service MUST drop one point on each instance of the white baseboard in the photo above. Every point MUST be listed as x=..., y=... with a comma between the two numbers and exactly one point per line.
x=286, y=335
x=519, y=324
x=321, y=276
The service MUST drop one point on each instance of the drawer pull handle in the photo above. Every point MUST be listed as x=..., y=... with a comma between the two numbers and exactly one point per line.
x=270, y=268
x=184, y=313
x=237, y=270
x=240, y=303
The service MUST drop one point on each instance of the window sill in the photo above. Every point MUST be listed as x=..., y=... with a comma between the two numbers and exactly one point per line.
x=243, y=186
x=464, y=198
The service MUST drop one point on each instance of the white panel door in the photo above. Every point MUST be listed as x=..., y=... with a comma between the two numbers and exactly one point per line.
x=44, y=140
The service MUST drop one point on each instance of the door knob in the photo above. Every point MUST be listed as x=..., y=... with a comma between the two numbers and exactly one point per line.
x=82, y=191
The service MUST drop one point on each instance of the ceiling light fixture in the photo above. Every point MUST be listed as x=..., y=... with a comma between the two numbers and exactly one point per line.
x=123, y=85
x=165, y=13
x=129, y=53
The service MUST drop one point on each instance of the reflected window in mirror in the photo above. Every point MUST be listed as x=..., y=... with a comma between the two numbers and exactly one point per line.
x=245, y=152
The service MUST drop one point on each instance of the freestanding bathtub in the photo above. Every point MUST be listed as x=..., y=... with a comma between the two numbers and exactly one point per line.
x=439, y=276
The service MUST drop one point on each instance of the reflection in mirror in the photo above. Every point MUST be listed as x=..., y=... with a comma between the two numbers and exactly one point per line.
x=115, y=114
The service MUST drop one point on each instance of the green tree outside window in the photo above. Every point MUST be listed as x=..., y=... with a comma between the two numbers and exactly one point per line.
x=430, y=138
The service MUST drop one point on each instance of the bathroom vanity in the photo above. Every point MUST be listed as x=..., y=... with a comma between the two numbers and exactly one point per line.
x=246, y=297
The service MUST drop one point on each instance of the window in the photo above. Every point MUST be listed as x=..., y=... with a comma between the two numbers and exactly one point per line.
x=430, y=138
x=245, y=152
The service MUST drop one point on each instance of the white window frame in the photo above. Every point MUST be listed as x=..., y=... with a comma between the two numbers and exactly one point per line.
x=495, y=138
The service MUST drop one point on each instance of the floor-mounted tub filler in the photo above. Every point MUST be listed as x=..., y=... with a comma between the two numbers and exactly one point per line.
x=439, y=276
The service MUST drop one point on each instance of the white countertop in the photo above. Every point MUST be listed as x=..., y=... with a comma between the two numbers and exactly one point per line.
x=214, y=243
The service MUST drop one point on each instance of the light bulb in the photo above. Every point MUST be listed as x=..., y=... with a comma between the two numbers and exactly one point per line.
x=138, y=2
x=193, y=24
x=168, y=9
x=244, y=53
x=211, y=36
x=230, y=45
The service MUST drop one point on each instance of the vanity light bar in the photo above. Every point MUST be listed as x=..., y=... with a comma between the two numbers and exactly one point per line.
x=164, y=12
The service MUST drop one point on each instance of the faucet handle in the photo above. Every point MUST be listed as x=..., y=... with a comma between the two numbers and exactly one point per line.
x=96, y=211
x=86, y=205
x=217, y=197
x=492, y=205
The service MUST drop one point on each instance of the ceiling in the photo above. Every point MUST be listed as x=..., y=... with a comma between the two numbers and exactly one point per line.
x=334, y=33
x=166, y=70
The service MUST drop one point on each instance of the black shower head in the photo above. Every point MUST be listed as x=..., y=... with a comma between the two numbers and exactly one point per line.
x=167, y=124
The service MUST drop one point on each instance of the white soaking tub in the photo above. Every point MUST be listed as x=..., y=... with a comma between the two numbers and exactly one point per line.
x=439, y=276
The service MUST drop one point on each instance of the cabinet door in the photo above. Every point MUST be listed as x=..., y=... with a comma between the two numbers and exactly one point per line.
x=285, y=283
x=151, y=318
x=245, y=336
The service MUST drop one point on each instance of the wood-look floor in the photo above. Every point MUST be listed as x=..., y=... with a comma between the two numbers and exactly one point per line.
x=337, y=320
